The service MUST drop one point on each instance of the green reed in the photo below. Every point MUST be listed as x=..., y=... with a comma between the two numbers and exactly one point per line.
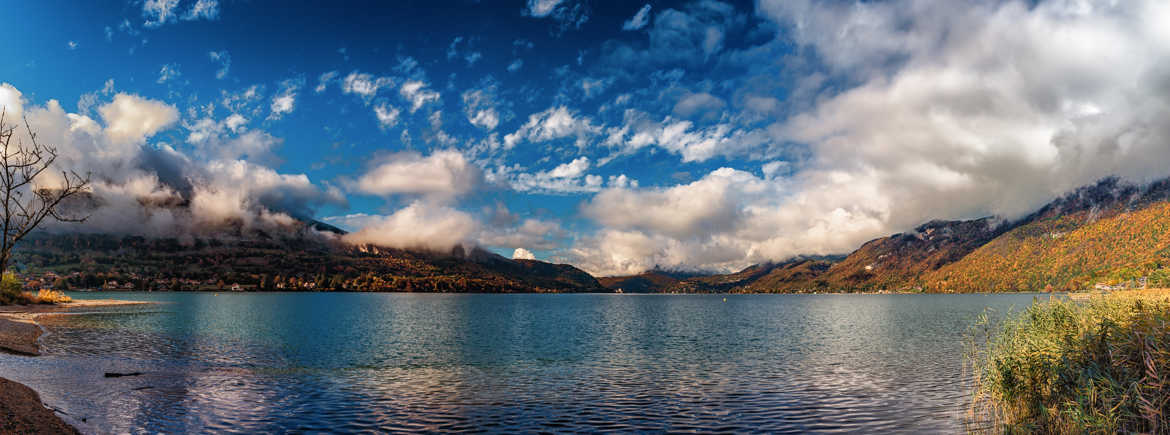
x=1100, y=365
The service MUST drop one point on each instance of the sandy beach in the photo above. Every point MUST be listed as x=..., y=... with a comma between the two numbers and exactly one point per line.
x=21, y=409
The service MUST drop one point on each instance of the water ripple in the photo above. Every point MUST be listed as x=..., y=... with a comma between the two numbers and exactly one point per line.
x=520, y=363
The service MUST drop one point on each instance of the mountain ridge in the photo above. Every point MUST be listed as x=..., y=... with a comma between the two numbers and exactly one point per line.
x=987, y=254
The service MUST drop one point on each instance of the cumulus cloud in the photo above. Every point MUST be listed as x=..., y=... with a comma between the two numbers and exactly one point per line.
x=699, y=105
x=416, y=93
x=565, y=178
x=421, y=225
x=130, y=118
x=160, y=12
x=203, y=9
x=531, y=233
x=230, y=139
x=522, y=254
x=284, y=102
x=324, y=80
x=387, y=115
x=480, y=107
x=554, y=123
x=542, y=8
x=639, y=20
x=362, y=84
x=954, y=110
x=154, y=190
x=709, y=205
x=567, y=14
x=691, y=36
x=693, y=144
x=442, y=175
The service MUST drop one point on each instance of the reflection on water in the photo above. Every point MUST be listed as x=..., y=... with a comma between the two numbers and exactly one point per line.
x=351, y=362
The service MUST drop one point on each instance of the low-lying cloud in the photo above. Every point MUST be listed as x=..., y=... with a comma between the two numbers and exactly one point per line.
x=960, y=109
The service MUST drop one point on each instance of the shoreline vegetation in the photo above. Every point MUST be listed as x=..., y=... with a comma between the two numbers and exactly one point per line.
x=21, y=409
x=1093, y=363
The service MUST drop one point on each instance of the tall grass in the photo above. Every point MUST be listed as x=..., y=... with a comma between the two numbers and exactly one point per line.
x=10, y=290
x=1097, y=366
x=11, y=293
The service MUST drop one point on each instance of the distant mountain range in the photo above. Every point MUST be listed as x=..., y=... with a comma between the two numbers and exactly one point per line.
x=298, y=261
x=1112, y=234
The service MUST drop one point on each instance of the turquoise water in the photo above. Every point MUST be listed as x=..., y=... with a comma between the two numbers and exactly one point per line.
x=511, y=363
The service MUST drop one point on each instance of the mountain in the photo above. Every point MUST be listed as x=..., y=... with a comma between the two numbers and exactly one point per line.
x=889, y=263
x=656, y=281
x=652, y=281
x=305, y=260
x=1112, y=233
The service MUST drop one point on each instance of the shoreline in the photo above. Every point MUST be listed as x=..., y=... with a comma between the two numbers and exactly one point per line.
x=21, y=408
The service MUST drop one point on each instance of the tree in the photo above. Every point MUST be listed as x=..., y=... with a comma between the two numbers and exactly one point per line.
x=26, y=198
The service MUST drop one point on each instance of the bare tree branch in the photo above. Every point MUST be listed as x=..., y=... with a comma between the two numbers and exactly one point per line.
x=21, y=169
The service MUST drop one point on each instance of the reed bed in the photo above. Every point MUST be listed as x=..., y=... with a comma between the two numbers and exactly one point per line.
x=1099, y=365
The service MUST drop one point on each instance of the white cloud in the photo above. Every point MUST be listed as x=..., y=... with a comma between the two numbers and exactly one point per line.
x=387, y=115
x=516, y=65
x=709, y=205
x=168, y=72
x=698, y=105
x=542, y=8
x=480, y=107
x=569, y=177
x=531, y=233
x=419, y=225
x=683, y=138
x=441, y=175
x=522, y=254
x=154, y=190
x=573, y=169
x=416, y=93
x=159, y=12
x=224, y=59
x=72, y=45
x=203, y=9
x=592, y=87
x=361, y=84
x=554, y=123
x=324, y=80
x=639, y=20
x=130, y=118
x=284, y=102
x=959, y=110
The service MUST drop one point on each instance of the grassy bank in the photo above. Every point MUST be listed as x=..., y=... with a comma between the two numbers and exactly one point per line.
x=1099, y=365
x=12, y=294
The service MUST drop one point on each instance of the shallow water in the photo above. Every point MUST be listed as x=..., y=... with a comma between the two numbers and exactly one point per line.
x=511, y=363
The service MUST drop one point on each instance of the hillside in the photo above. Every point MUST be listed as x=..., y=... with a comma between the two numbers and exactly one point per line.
x=652, y=281
x=1112, y=233
x=293, y=262
x=890, y=263
x=1109, y=234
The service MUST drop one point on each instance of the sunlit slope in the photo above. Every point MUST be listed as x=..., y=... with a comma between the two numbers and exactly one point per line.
x=1066, y=252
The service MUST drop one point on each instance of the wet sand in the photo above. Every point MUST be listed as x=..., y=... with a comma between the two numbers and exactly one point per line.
x=21, y=410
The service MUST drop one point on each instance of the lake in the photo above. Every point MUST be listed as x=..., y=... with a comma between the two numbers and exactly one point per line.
x=251, y=362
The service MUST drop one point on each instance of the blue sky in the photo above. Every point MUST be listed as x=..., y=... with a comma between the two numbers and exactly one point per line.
x=617, y=136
